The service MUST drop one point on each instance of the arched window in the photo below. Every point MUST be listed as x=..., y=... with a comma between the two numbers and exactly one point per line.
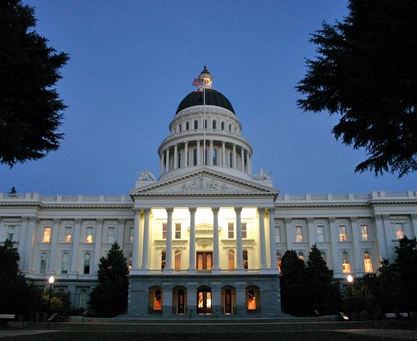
x=279, y=262
x=65, y=259
x=195, y=124
x=231, y=260
x=251, y=299
x=214, y=125
x=230, y=127
x=42, y=269
x=222, y=125
x=163, y=259
x=87, y=261
x=301, y=256
x=83, y=299
x=157, y=302
x=187, y=125
x=345, y=262
x=178, y=260
x=245, y=259
x=367, y=261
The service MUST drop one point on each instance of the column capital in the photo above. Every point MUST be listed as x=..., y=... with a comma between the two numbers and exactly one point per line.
x=57, y=220
x=354, y=219
x=414, y=216
x=310, y=220
x=121, y=221
x=332, y=219
x=99, y=221
x=238, y=209
x=146, y=209
x=271, y=210
x=78, y=221
x=169, y=209
x=192, y=209
x=215, y=209
x=288, y=220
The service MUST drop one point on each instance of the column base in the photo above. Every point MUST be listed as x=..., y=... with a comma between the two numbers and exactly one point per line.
x=192, y=271
x=216, y=270
x=168, y=271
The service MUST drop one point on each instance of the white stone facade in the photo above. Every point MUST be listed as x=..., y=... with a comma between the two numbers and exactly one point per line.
x=207, y=236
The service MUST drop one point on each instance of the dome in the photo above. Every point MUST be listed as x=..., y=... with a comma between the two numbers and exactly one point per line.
x=213, y=97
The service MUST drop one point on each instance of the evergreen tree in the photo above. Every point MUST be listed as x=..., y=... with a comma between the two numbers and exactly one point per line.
x=109, y=298
x=366, y=72
x=29, y=105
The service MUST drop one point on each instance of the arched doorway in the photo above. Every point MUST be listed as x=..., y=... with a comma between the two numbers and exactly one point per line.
x=204, y=301
x=179, y=301
x=228, y=300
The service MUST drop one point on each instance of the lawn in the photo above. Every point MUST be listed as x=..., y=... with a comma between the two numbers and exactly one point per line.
x=193, y=336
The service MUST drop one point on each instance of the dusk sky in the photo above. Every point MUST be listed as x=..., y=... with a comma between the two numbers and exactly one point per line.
x=133, y=61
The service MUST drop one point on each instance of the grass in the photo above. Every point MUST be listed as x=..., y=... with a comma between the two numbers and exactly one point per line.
x=193, y=336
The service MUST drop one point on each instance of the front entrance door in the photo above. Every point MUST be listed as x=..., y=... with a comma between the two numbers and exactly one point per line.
x=204, y=302
x=204, y=260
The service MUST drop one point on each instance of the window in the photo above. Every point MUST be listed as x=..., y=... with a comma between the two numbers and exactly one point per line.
x=214, y=125
x=179, y=161
x=222, y=125
x=301, y=256
x=129, y=261
x=68, y=234
x=345, y=262
x=110, y=235
x=131, y=231
x=163, y=259
x=83, y=299
x=245, y=259
x=244, y=231
x=157, y=303
x=231, y=160
x=89, y=235
x=214, y=157
x=230, y=127
x=42, y=269
x=320, y=233
x=251, y=299
x=399, y=230
x=298, y=234
x=205, y=124
x=205, y=156
x=195, y=157
x=87, y=261
x=46, y=234
x=231, y=260
x=279, y=262
x=177, y=231
x=323, y=255
x=187, y=125
x=364, y=232
x=178, y=260
x=367, y=261
x=164, y=231
x=179, y=127
x=342, y=233
x=11, y=232
x=65, y=260
x=195, y=124
x=230, y=230
x=277, y=234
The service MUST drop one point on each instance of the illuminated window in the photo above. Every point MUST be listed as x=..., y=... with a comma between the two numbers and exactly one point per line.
x=187, y=125
x=68, y=234
x=323, y=255
x=301, y=256
x=245, y=259
x=345, y=262
x=399, y=230
x=87, y=261
x=42, y=269
x=131, y=231
x=364, y=232
x=110, y=235
x=177, y=231
x=244, y=231
x=214, y=157
x=178, y=260
x=367, y=261
x=279, y=262
x=163, y=259
x=320, y=233
x=251, y=299
x=277, y=234
x=164, y=231
x=157, y=302
x=129, y=261
x=195, y=124
x=89, y=235
x=231, y=259
x=46, y=234
x=342, y=233
x=230, y=230
x=214, y=125
x=298, y=234
x=65, y=260
x=11, y=232
x=222, y=125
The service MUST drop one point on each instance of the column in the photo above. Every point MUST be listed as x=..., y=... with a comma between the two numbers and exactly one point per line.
x=54, y=245
x=192, y=267
x=210, y=156
x=311, y=231
x=389, y=237
x=175, y=156
x=168, y=265
x=242, y=156
x=75, y=246
x=273, y=248
x=223, y=154
x=334, y=237
x=136, y=245
x=30, y=242
x=186, y=154
x=234, y=156
x=145, y=257
x=239, y=249
x=198, y=153
x=22, y=239
x=216, y=253
x=167, y=162
x=161, y=164
x=414, y=222
x=357, y=254
x=97, y=244
x=262, y=244
x=120, y=232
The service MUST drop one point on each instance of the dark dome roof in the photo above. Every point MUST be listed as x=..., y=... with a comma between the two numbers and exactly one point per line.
x=213, y=97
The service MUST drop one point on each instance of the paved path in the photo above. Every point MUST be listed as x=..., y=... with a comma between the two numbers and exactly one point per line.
x=17, y=332
x=389, y=333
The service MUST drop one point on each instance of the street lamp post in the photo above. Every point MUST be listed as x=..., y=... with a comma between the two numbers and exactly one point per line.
x=51, y=281
x=350, y=280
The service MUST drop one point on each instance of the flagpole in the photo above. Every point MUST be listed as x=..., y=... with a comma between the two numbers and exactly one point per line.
x=204, y=124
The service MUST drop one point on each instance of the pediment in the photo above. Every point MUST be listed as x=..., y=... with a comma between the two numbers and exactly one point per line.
x=203, y=183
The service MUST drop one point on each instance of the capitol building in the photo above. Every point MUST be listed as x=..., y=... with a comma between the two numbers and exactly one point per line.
x=206, y=236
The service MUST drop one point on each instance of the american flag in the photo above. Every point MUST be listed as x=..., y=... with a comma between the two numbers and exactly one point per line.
x=197, y=82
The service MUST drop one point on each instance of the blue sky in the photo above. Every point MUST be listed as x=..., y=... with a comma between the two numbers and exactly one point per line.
x=133, y=61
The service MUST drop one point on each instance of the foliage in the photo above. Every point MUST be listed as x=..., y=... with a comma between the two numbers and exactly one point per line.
x=109, y=298
x=16, y=296
x=366, y=72
x=29, y=106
